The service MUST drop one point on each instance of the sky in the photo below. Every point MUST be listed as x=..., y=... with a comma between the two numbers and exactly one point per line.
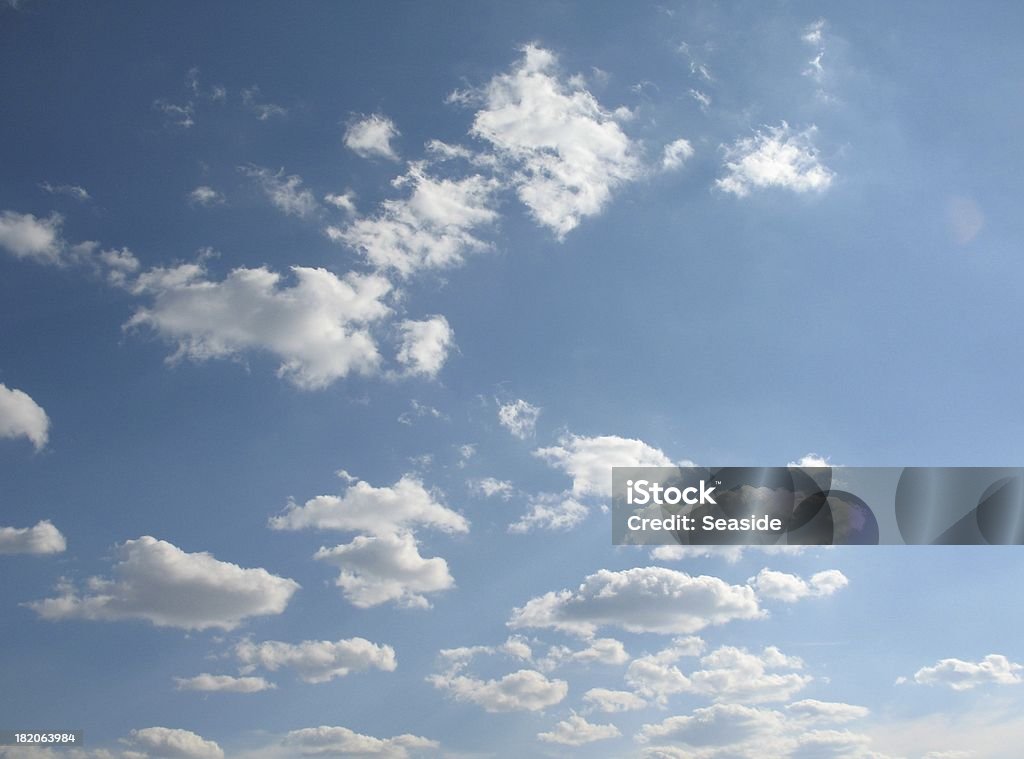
x=323, y=326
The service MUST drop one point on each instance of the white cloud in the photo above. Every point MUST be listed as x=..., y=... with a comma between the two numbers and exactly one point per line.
x=490, y=487
x=736, y=675
x=550, y=511
x=178, y=115
x=775, y=157
x=263, y=111
x=790, y=588
x=425, y=345
x=158, y=582
x=811, y=461
x=523, y=690
x=642, y=599
x=375, y=570
x=433, y=228
x=419, y=410
x=174, y=744
x=26, y=236
x=71, y=190
x=340, y=741
x=567, y=152
x=826, y=711
x=20, y=416
x=959, y=675
x=730, y=554
x=317, y=661
x=371, y=136
x=41, y=539
x=373, y=510
x=317, y=327
x=676, y=154
x=519, y=417
x=205, y=196
x=611, y=701
x=607, y=651
x=589, y=460
x=719, y=725
x=702, y=98
x=286, y=193
x=208, y=683
x=576, y=731
x=344, y=201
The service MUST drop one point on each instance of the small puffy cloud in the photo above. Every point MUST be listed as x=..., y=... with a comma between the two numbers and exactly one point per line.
x=612, y=701
x=551, y=511
x=589, y=460
x=264, y=111
x=340, y=741
x=775, y=157
x=791, y=588
x=425, y=345
x=718, y=725
x=433, y=228
x=156, y=581
x=342, y=201
x=598, y=651
x=70, y=190
x=20, y=416
x=317, y=661
x=833, y=712
x=576, y=731
x=286, y=193
x=26, y=236
x=642, y=599
x=383, y=568
x=205, y=196
x=676, y=154
x=39, y=540
x=171, y=743
x=959, y=675
x=208, y=683
x=519, y=417
x=811, y=461
x=375, y=510
x=371, y=136
x=317, y=327
x=490, y=487
x=729, y=554
x=736, y=675
x=524, y=690
x=567, y=154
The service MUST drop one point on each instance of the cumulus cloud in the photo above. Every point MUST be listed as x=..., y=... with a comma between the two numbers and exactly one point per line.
x=676, y=154
x=960, y=675
x=20, y=416
x=286, y=193
x=24, y=235
x=598, y=651
x=642, y=599
x=208, y=683
x=826, y=711
x=340, y=741
x=205, y=196
x=371, y=136
x=811, y=461
x=576, y=731
x=317, y=661
x=550, y=511
x=41, y=539
x=717, y=725
x=567, y=153
x=425, y=345
x=375, y=570
x=433, y=228
x=342, y=201
x=374, y=510
x=589, y=460
x=790, y=588
x=523, y=690
x=490, y=487
x=519, y=417
x=775, y=157
x=174, y=744
x=318, y=327
x=158, y=582
x=734, y=674
x=612, y=701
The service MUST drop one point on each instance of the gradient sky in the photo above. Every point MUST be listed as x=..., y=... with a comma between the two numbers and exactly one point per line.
x=395, y=285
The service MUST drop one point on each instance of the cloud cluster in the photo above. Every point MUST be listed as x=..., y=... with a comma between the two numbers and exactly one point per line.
x=790, y=588
x=208, y=683
x=957, y=674
x=341, y=741
x=519, y=417
x=43, y=538
x=589, y=460
x=576, y=731
x=775, y=157
x=174, y=743
x=317, y=661
x=158, y=582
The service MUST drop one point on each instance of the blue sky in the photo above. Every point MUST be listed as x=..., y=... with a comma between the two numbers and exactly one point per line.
x=323, y=326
